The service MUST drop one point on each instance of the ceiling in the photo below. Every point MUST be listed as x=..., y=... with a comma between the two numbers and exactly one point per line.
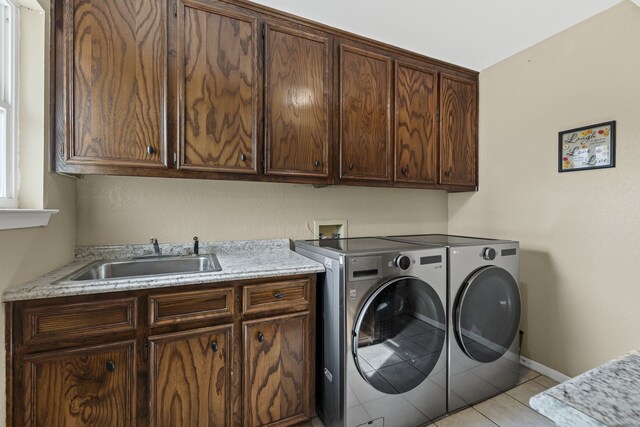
x=471, y=33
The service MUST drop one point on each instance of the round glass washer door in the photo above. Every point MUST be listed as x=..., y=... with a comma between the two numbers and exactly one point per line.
x=487, y=314
x=399, y=334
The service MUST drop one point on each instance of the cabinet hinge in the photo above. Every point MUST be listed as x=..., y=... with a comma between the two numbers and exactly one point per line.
x=175, y=158
x=264, y=31
x=437, y=115
x=175, y=10
x=145, y=351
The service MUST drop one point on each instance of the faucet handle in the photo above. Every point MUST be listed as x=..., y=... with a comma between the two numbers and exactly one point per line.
x=195, y=238
x=153, y=240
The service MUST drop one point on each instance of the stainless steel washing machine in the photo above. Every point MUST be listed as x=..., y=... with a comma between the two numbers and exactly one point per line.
x=484, y=312
x=381, y=356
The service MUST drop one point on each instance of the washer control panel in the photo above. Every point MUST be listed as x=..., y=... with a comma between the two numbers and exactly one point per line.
x=403, y=262
x=372, y=267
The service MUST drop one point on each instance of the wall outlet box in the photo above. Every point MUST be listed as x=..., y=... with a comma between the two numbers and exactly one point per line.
x=330, y=229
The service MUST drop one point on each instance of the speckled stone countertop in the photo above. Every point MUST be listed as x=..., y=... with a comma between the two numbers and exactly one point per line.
x=608, y=395
x=243, y=259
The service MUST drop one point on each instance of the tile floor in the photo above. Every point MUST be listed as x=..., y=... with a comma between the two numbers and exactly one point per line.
x=509, y=409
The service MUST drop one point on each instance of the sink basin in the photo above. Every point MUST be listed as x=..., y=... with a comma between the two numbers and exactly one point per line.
x=151, y=266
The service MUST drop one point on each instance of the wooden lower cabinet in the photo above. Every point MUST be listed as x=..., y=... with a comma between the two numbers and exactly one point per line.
x=92, y=386
x=190, y=378
x=161, y=358
x=276, y=373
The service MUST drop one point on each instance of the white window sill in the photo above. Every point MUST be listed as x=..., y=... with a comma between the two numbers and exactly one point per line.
x=25, y=218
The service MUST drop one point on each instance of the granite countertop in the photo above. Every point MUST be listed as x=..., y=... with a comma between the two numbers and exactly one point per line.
x=608, y=395
x=244, y=259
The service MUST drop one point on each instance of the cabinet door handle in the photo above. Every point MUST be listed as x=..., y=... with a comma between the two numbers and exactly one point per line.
x=278, y=295
x=111, y=366
x=448, y=172
x=350, y=166
x=260, y=337
x=243, y=157
x=150, y=149
x=317, y=163
x=405, y=170
x=214, y=346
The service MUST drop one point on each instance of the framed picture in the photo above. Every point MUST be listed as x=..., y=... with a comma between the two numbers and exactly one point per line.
x=588, y=147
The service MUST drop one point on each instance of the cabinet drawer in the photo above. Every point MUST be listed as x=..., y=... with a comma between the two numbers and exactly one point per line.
x=180, y=307
x=273, y=296
x=52, y=323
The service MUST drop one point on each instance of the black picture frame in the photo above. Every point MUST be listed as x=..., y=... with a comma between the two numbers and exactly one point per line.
x=587, y=147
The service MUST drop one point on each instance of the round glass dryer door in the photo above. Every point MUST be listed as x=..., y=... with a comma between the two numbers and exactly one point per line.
x=487, y=314
x=399, y=334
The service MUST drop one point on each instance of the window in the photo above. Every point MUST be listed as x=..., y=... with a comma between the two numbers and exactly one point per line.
x=8, y=104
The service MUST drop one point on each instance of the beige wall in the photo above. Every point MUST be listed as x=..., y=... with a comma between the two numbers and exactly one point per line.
x=130, y=210
x=28, y=253
x=579, y=231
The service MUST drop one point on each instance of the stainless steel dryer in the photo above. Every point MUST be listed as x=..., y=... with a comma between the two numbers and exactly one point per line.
x=381, y=356
x=484, y=307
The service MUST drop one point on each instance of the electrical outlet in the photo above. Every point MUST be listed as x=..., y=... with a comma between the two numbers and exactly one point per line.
x=330, y=229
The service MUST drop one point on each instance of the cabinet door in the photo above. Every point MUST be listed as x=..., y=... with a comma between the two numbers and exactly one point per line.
x=190, y=378
x=458, y=131
x=115, y=82
x=297, y=102
x=81, y=387
x=276, y=370
x=365, y=131
x=416, y=125
x=218, y=89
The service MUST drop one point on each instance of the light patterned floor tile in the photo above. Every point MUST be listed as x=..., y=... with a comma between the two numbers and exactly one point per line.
x=546, y=381
x=506, y=411
x=525, y=391
x=466, y=418
x=527, y=374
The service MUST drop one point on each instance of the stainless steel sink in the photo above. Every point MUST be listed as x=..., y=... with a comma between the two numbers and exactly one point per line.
x=148, y=266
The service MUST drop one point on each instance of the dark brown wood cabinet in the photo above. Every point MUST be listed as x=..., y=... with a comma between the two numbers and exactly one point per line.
x=365, y=115
x=93, y=386
x=416, y=124
x=217, y=57
x=230, y=89
x=224, y=354
x=276, y=384
x=111, y=94
x=190, y=378
x=297, y=103
x=458, y=131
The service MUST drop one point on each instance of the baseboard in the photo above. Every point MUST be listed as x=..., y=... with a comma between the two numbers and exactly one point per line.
x=544, y=370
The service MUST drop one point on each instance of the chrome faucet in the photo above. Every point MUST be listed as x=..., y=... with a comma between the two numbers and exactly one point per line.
x=156, y=247
x=196, y=249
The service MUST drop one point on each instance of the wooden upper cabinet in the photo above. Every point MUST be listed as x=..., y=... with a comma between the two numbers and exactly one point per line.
x=365, y=109
x=190, y=378
x=246, y=92
x=217, y=89
x=416, y=104
x=114, y=73
x=81, y=387
x=458, y=131
x=297, y=106
x=276, y=370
